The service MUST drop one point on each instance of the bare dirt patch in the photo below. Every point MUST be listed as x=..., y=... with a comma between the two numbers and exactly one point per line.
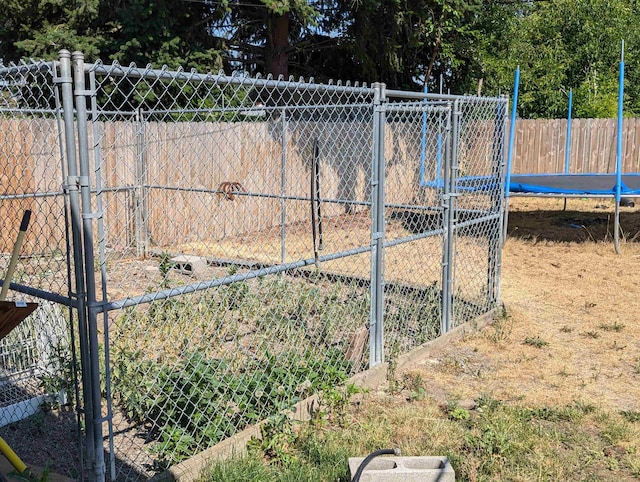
x=571, y=330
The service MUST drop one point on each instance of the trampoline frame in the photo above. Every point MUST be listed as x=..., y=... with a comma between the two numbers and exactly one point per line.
x=617, y=189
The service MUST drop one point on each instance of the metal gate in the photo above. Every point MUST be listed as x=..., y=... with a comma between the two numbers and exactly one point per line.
x=232, y=245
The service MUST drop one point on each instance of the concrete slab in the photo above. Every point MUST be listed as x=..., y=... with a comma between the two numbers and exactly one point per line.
x=404, y=469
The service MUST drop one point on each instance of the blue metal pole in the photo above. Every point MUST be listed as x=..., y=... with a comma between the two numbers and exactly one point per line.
x=619, y=146
x=616, y=234
x=568, y=145
x=512, y=131
x=512, y=136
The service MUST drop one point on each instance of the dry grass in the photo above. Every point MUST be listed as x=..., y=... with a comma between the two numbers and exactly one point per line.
x=578, y=297
x=550, y=390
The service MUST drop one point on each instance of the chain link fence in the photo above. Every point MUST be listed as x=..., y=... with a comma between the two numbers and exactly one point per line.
x=480, y=126
x=38, y=390
x=245, y=243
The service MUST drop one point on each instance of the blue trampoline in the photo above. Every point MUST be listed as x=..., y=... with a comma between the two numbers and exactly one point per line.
x=565, y=185
x=561, y=185
x=552, y=185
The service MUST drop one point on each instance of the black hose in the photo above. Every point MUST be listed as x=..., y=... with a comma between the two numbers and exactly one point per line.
x=312, y=197
x=369, y=458
x=316, y=162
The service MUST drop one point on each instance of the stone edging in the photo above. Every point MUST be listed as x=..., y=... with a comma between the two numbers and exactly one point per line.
x=374, y=378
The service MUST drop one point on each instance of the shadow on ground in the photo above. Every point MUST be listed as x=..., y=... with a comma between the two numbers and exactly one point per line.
x=49, y=440
x=581, y=226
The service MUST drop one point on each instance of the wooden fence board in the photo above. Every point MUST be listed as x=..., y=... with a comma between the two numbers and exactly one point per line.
x=201, y=155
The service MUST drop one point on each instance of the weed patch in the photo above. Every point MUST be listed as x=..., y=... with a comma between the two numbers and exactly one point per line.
x=535, y=341
x=494, y=441
x=247, y=351
x=615, y=326
x=502, y=326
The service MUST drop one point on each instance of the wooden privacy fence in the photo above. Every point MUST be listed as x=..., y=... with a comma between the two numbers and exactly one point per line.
x=31, y=178
x=182, y=166
x=540, y=146
x=31, y=165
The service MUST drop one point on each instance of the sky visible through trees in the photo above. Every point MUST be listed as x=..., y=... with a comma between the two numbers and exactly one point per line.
x=462, y=46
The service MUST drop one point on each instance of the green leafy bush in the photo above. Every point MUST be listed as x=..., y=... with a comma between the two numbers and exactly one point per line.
x=199, y=401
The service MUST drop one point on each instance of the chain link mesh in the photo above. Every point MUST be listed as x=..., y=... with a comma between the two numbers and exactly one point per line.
x=481, y=127
x=36, y=360
x=415, y=139
x=233, y=223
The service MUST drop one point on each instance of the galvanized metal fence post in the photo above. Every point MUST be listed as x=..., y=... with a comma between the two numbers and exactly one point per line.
x=453, y=213
x=497, y=195
x=376, y=335
x=447, y=222
x=97, y=155
x=72, y=187
x=80, y=94
x=140, y=190
x=503, y=200
x=283, y=189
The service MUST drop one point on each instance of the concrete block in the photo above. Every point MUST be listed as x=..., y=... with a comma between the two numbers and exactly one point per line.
x=404, y=469
x=190, y=265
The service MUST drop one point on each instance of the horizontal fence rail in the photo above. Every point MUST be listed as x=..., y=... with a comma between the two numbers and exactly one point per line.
x=227, y=246
x=540, y=146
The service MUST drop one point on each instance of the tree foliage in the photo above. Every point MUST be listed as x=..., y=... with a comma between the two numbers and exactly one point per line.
x=404, y=43
x=262, y=35
x=466, y=46
x=561, y=45
x=163, y=32
x=39, y=28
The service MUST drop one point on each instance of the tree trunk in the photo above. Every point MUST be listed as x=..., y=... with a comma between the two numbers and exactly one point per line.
x=277, y=48
x=432, y=60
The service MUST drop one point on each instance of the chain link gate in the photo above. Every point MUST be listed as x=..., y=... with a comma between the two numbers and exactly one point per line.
x=478, y=153
x=243, y=243
x=417, y=136
x=39, y=397
x=443, y=216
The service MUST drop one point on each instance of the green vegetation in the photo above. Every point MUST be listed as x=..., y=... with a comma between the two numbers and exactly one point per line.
x=197, y=368
x=493, y=441
x=217, y=364
x=615, y=326
x=198, y=401
x=473, y=46
x=501, y=328
x=535, y=341
x=406, y=310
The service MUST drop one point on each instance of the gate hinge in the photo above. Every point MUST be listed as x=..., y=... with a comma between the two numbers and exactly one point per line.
x=85, y=93
x=446, y=197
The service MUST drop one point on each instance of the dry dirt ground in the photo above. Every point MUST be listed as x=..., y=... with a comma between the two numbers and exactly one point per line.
x=571, y=332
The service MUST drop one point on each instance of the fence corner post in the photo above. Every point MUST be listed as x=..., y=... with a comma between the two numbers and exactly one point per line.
x=376, y=326
x=97, y=473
